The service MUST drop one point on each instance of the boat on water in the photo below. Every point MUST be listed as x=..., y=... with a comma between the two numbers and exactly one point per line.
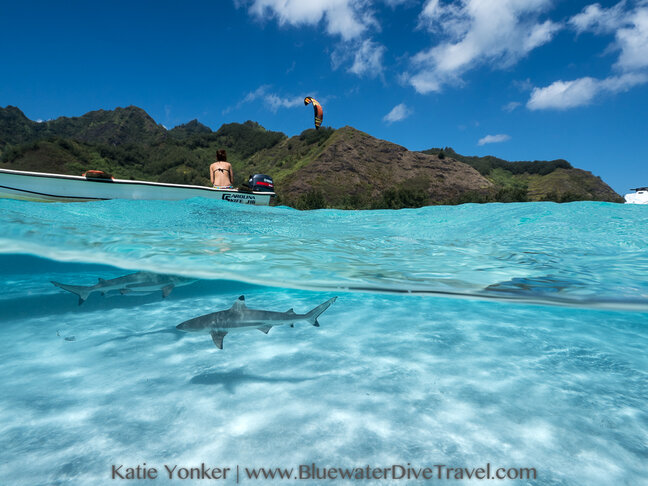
x=97, y=185
x=640, y=196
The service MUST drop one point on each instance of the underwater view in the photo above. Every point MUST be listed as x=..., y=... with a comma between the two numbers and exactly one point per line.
x=507, y=337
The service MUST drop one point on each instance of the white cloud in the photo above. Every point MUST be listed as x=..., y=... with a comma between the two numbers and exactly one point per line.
x=538, y=35
x=477, y=32
x=257, y=93
x=629, y=25
x=511, y=106
x=346, y=18
x=633, y=42
x=562, y=95
x=398, y=113
x=599, y=20
x=615, y=84
x=494, y=139
x=272, y=101
x=350, y=20
x=368, y=59
x=275, y=102
x=523, y=85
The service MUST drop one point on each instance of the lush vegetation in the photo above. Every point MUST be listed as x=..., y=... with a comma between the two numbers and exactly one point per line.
x=127, y=143
x=554, y=180
x=485, y=165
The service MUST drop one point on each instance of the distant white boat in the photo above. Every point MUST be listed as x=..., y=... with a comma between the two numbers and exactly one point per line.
x=96, y=185
x=640, y=196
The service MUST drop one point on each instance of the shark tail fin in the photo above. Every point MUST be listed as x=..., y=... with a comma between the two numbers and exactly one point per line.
x=317, y=311
x=82, y=292
x=167, y=290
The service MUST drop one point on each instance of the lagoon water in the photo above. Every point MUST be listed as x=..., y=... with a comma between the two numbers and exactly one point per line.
x=514, y=335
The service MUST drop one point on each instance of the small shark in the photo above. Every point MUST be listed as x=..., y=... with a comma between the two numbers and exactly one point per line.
x=239, y=318
x=140, y=283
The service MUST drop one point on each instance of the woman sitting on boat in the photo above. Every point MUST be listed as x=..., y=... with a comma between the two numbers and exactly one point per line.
x=222, y=176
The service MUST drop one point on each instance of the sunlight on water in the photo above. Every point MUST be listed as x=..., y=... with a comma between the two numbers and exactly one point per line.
x=388, y=378
x=586, y=254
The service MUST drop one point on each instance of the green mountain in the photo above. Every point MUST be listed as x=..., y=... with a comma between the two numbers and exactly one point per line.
x=114, y=127
x=342, y=168
x=127, y=143
x=554, y=180
x=188, y=130
x=15, y=127
x=347, y=168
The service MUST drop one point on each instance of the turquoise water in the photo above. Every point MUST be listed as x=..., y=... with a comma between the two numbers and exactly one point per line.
x=509, y=334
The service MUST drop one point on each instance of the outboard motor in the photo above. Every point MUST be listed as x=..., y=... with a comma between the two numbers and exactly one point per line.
x=261, y=183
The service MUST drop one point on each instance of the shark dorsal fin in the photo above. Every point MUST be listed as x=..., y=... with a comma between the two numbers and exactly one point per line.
x=101, y=280
x=290, y=311
x=239, y=304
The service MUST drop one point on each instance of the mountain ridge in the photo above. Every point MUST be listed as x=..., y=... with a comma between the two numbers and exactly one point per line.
x=341, y=168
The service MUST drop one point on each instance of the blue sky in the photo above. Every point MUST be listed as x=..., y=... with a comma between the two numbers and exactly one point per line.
x=519, y=79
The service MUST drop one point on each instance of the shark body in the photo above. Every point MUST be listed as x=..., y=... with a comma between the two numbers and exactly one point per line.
x=240, y=318
x=139, y=283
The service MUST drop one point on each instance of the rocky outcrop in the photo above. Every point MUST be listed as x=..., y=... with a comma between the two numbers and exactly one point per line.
x=355, y=164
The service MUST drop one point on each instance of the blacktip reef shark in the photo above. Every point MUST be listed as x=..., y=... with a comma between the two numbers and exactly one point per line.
x=140, y=283
x=240, y=318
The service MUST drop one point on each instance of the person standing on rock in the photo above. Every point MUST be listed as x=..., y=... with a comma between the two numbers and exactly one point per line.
x=222, y=176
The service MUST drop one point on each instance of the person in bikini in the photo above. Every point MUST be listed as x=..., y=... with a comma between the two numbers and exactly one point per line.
x=222, y=176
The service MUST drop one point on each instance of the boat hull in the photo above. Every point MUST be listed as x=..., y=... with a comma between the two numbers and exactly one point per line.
x=639, y=197
x=42, y=187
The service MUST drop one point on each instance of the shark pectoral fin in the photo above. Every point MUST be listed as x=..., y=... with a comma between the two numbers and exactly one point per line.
x=239, y=304
x=264, y=329
x=167, y=290
x=217, y=337
x=125, y=291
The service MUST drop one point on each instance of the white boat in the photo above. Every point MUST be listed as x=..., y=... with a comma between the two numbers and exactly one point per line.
x=95, y=185
x=640, y=196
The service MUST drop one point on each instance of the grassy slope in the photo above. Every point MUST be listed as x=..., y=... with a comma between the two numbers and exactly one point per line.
x=352, y=170
x=554, y=180
x=129, y=144
x=285, y=158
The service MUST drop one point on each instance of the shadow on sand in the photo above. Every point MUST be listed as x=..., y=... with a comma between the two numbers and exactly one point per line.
x=173, y=331
x=231, y=379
